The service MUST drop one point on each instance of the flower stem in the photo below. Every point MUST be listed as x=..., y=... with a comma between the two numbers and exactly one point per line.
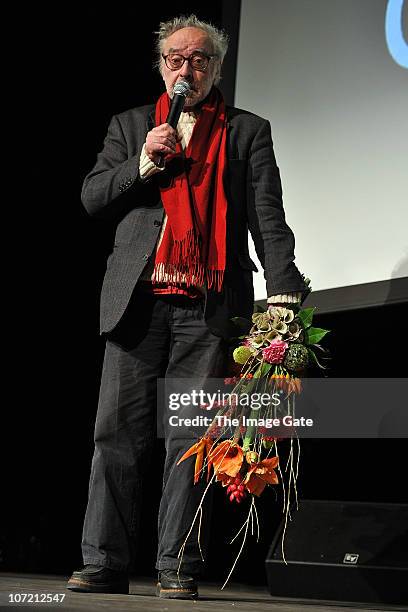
x=250, y=432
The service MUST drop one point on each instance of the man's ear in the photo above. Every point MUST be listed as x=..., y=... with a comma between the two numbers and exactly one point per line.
x=217, y=72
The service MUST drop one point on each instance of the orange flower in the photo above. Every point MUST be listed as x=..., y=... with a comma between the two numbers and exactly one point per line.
x=204, y=445
x=289, y=384
x=260, y=474
x=227, y=458
x=224, y=478
x=295, y=386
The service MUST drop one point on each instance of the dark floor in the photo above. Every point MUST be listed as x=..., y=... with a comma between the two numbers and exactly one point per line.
x=142, y=598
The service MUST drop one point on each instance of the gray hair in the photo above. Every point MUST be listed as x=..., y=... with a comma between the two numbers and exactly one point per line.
x=218, y=38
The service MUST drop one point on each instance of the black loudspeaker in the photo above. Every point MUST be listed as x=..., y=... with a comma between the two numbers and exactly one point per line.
x=342, y=552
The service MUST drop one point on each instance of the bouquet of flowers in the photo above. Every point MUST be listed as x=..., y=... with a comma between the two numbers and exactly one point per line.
x=240, y=447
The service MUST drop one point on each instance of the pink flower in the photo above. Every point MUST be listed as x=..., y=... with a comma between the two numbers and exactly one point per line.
x=275, y=352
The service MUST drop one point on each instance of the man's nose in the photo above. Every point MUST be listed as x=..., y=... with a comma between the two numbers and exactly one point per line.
x=186, y=71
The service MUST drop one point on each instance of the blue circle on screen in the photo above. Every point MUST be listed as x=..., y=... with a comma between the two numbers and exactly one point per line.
x=397, y=45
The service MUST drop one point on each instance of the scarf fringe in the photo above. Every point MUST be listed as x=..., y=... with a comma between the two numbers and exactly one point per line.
x=185, y=265
x=189, y=276
x=215, y=279
x=174, y=274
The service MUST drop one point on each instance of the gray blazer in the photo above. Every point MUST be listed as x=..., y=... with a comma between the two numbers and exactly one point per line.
x=114, y=191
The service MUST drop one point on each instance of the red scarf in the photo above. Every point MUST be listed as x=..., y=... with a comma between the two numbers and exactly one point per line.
x=193, y=247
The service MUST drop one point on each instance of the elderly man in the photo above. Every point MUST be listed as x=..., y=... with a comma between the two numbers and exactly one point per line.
x=182, y=201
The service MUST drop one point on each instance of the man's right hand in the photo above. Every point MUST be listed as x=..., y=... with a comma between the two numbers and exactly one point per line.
x=160, y=141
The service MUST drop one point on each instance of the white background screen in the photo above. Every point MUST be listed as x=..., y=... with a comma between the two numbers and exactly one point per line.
x=322, y=73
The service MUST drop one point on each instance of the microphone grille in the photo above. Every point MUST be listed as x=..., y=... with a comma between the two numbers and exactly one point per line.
x=182, y=88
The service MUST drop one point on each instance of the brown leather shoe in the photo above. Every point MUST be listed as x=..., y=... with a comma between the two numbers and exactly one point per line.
x=174, y=585
x=98, y=579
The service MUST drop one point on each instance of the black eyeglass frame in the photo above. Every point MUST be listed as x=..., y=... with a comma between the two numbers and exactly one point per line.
x=208, y=57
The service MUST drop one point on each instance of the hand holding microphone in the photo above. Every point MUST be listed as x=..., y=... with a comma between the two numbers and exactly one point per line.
x=162, y=140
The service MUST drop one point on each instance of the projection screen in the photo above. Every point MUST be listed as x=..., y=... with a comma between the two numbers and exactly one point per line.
x=332, y=78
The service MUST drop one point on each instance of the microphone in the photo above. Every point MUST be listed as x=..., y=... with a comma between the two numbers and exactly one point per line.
x=180, y=93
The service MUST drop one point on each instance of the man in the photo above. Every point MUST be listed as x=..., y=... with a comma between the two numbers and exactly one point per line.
x=182, y=201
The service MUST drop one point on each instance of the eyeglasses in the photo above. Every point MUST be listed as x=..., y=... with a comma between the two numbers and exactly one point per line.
x=197, y=61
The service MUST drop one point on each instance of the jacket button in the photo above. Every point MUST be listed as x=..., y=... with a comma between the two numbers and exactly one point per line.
x=145, y=257
x=156, y=223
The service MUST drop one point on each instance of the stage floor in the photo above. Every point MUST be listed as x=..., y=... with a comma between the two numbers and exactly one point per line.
x=142, y=598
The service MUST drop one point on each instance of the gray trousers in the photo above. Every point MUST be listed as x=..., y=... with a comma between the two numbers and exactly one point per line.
x=159, y=336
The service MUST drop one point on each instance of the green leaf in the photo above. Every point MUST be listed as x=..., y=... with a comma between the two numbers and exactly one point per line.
x=314, y=334
x=306, y=316
x=263, y=370
x=295, y=307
